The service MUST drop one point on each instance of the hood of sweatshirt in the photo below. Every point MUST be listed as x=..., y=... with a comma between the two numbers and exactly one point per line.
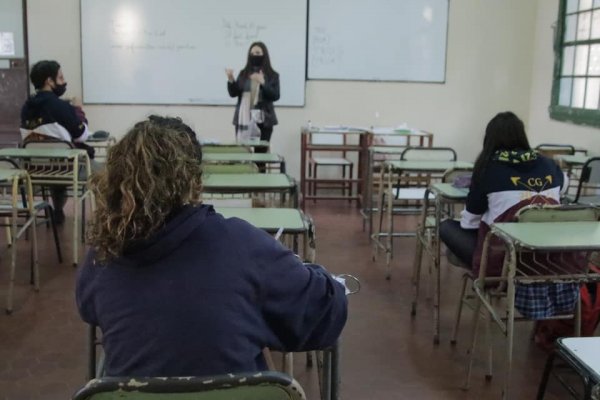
x=162, y=243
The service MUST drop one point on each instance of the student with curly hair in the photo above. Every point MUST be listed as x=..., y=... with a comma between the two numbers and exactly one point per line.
x=177, y=289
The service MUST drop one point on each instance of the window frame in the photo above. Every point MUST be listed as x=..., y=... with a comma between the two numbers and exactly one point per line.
x=579, y=116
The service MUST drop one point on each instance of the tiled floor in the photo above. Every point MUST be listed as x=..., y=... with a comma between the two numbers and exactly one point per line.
x=385, y=353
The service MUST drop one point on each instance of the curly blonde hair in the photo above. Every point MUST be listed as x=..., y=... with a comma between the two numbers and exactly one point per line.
x=151, y=173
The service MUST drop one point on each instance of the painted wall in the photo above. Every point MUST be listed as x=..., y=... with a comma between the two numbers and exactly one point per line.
x=541, y=127
x=489, y=69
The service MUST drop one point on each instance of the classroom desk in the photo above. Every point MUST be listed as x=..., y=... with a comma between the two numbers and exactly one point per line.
x=390, y=168
x=15, y=179
x=582, y=354
x=264, y=158
x=251, y=183
x=251, y=144
x=527, y=237
x=428, y=240
x=368, y=206
x=57, y=167
x=307, y=147
x=101, y=147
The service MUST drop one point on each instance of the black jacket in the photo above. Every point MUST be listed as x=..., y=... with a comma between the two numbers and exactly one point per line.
x=45, y=107
x=269, y=92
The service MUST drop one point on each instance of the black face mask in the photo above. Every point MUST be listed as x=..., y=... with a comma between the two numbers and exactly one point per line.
x=59, y=90
x=256, y=61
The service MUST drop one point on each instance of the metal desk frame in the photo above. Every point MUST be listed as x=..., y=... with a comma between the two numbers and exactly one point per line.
x=529, y=237
x=15, y=179
x=57, y=167
x=388, y=171
x=428, y=240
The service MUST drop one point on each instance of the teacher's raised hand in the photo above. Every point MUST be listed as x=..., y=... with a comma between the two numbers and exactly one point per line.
x=229, y=73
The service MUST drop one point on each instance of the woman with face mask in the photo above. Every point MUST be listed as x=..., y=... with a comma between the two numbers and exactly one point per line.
x=256, y=87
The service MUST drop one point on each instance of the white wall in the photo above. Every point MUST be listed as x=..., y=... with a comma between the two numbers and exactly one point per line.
x=541, y=127
x=489, y=67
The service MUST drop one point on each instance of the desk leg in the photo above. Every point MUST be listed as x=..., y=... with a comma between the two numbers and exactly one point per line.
x=75, y=210
x=390, y=233
x=326, y=375
x=335, y=371
x=436, y=266
x=13, y=247
x=368, y=203
x=360, y=172
x=421, y=232
x=303, y=141
x=510, y=318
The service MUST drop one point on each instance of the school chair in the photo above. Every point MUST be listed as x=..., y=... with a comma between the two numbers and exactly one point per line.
x=552, y=271
x=554, y=149
x=47, y=165
x=429, y=232
x=589, y=181
x=339, y=159
x=581, y=355
x=247, y=386
x=38, y=206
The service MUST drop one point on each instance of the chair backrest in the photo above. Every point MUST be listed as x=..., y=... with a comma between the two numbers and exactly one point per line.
x=558, y=213
x=248, y=386
x=48, y=144
x=589, y=178
x=7, y=163
x=553, y=149
x=429, y=154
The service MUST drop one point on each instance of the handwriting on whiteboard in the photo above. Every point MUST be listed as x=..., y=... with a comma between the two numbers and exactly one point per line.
x=241, y=33
x=322, y=50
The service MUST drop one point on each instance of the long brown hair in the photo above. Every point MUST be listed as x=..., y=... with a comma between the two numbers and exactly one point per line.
x=266, y=67
x=150, y=173
x=504, y=132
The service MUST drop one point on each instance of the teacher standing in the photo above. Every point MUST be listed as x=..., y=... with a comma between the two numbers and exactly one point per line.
x=256, y=87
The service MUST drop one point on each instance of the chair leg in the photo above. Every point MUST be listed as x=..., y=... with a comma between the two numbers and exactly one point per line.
x=50, y=212
x=471, y=350
x=83, y=221
x=488, y=339
x=350, y=185
x=461, y=302
x=344, y=183
x=544, y=382
x=314, y=183
x=416, y=278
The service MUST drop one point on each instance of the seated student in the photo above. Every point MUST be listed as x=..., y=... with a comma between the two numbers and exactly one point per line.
x=507, y=176
x=45, y=116
x=179, y=290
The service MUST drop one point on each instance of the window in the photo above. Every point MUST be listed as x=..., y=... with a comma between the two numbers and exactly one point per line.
x=576, y=86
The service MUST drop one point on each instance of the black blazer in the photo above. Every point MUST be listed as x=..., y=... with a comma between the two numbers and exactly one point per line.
x=269, y=92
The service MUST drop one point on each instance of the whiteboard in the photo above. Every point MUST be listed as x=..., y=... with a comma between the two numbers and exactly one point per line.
x=389, y=40
x=11, y=29
x=176, y=51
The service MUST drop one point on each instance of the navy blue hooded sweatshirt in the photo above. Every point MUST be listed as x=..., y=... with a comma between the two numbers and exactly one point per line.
x=204, y=296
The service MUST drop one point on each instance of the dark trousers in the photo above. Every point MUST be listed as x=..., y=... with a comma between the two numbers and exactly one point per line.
x=265, y=134
x=461, y=242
